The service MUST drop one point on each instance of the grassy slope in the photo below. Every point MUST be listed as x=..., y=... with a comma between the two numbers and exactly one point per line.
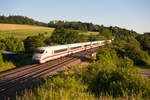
x=22, y=31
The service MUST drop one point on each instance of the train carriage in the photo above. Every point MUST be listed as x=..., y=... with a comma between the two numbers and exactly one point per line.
x=43, y=54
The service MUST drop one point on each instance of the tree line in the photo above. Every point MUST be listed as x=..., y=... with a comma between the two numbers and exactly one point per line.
x=118, y=32
x=20, y=20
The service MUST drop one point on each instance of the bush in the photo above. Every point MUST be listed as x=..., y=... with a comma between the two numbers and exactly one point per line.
x=107, y=56
x=137, y=55
x=1, y=61
x=131, y=49
x=89, y=72
x=32, y=42
x=12, y=44
x=120, y=82
x=106, y=33
x=144, y=41
x=66, y=82
x=126, y=62
x=2, y=46
x=65, y=36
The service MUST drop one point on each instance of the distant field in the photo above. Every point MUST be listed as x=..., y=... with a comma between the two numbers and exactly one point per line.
x=89, y=33
x=22, y=31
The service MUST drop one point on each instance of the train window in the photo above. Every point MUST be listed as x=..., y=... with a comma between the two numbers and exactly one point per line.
x=39, y=51
x=87, y=45
x=75, y=47
x=61, y=50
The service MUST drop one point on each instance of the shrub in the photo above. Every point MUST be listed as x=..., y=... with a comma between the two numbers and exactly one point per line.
x=137, y=55
x=90, y=72
x=2, y=46
x=144, y=41
x=106, y=33
x=13, y=44
x=64, y=36
x=120, y=82
x=126, y=62
x=32, y=42
x=107, y=56
x=66, y=82
x=1, y=61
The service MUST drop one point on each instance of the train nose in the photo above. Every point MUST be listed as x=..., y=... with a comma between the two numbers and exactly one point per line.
x=36, y=56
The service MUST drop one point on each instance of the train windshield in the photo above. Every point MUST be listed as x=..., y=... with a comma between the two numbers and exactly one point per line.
x=39, y=51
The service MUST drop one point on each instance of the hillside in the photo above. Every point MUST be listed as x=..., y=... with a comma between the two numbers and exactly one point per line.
x=22, y=31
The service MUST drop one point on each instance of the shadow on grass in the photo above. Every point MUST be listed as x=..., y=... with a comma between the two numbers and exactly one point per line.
x=19, y=60
x=144, y=67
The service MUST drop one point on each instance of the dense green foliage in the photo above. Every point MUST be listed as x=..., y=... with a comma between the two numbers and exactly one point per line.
x=32, y=42
x=120, y=82
x=20, y=20
x=12, y=44
x=106, y=33
x=74, y=25
x=68, y=36
x=119, y=33
x=1, y=61
x=64, y=36
x=131, y=49
x=116, y=75
x=122, y=34
x=144, y=41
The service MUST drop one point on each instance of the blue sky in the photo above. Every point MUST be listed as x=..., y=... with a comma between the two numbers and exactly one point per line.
x=130, y=14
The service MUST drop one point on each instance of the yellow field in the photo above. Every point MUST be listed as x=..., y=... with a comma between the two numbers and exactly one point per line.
x=6, y=27
x=22, y=31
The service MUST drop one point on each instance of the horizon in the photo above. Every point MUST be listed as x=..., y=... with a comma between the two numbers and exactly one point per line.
x=131, y=15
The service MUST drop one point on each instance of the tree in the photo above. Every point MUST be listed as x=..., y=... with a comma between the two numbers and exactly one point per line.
x=144, y=41
x=32, y=42
x=13, y=44
x=64, y=36
x=106, y=33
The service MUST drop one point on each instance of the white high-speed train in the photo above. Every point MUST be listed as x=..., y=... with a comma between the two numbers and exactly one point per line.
x=43, y=54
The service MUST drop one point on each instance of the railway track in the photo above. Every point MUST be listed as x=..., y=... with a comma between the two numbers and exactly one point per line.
x=21, y=77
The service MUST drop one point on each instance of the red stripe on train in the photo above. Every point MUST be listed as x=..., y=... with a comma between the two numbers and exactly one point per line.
x=68, y=52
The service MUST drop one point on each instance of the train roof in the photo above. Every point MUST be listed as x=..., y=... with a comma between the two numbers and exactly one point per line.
x=56, y=46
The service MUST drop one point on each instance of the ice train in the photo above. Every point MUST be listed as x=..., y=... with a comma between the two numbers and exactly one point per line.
x=44, y=54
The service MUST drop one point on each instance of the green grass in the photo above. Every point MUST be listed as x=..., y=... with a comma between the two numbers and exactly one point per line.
x=88, y=33
x=23, y=31
x=7, y=66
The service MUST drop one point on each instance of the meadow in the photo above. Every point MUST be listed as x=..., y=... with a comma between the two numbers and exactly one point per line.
x=23, y=31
